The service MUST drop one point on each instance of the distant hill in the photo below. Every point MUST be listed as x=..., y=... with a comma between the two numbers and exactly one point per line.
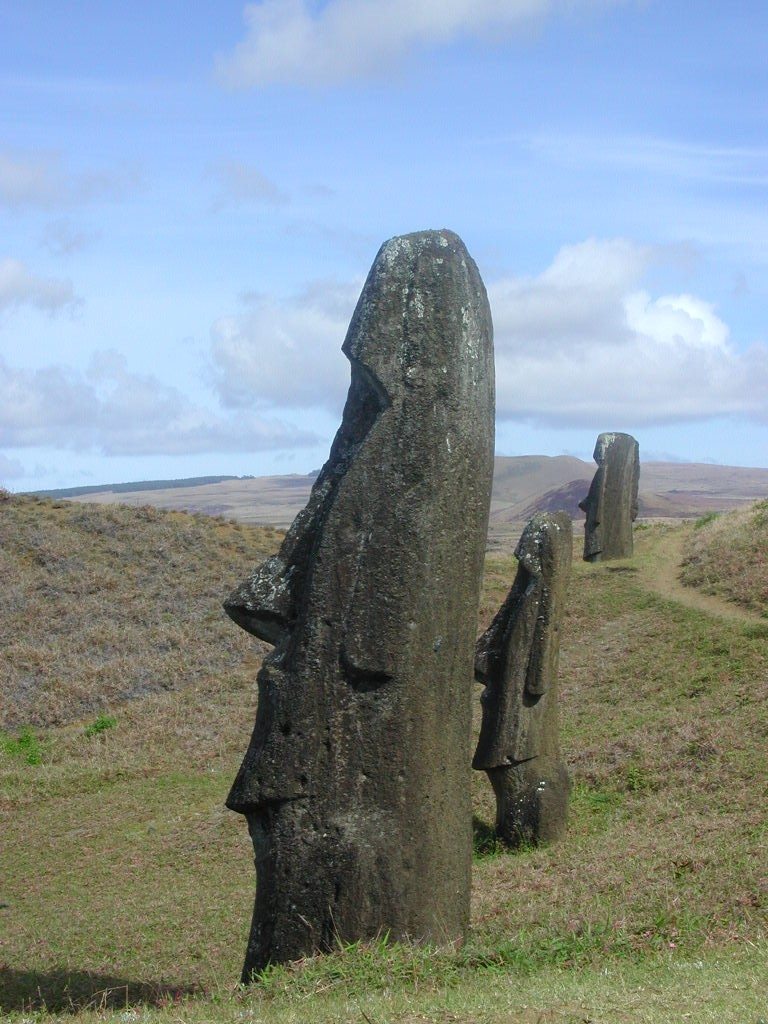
x=566, y=498
x=522, y=485
x=137, y=485
x=521, y=482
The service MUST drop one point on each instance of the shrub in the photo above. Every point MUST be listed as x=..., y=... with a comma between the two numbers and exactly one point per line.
x=708, y=517
x=24, y=747
x=101, y=724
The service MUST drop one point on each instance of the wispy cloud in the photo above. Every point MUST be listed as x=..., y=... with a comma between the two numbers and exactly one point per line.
x=114, y=411
x=62, y=238
x=241, y=184
x=723, y=165
x=19, y=287
x=285, y=353
x=42, y=181
x=581, y=344
x=296, y=41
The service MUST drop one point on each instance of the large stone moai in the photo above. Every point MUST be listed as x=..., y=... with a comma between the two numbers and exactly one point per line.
x=355, y=784
x=611, y=504
x=517, y=660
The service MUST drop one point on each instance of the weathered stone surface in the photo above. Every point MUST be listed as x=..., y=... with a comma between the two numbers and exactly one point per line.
x=517, y=659
x=611, y=504
x=355, y=783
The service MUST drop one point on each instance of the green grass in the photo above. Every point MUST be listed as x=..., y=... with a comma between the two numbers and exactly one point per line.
x=99, y=725
x=400, y=985
x=25, y=747
x=127, y=887
x=706, y=519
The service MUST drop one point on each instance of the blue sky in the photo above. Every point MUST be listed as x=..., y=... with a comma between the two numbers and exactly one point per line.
x=192, y=194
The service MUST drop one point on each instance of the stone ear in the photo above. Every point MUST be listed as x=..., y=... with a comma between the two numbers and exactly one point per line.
x=369, y=636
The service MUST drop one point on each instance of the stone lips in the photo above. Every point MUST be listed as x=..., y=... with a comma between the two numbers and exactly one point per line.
x=355, y=783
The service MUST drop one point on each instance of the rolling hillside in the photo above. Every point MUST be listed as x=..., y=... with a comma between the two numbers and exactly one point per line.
x=522, y=486
x=126, y=887
x=102, y=604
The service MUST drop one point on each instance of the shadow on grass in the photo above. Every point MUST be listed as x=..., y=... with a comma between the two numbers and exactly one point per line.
x=485, y=842
x=61, y=991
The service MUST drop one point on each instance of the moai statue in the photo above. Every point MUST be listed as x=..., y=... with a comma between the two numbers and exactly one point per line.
x=517, y=659
x=611, y=504
x=355, y=784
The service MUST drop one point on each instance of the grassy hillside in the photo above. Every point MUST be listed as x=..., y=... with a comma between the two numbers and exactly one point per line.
x=727, y=556
x=103, y=603
x=126, y=887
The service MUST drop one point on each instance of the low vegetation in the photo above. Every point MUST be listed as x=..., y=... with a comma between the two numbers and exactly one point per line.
x=104, y=603
x=126, y=887
x=727, y=555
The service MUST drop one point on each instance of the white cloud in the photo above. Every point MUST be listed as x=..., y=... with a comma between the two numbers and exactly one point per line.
x=41, y=180
x=242, y=183
x=583, y=344
x=298, y=41
x=574, y=297
x=19, y=286
x=116, y=412
x=286, y=353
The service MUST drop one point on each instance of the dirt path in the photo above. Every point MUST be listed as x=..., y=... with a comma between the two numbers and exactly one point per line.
x=659, y=571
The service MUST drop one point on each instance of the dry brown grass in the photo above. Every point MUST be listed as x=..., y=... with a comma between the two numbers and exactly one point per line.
x=665, y=723
x=122, y=870
x=727, y=556
x=102, y=603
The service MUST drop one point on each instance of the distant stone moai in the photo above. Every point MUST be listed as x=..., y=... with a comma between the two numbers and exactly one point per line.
x=611, y=504
x=356, y=781
x=517, y=659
